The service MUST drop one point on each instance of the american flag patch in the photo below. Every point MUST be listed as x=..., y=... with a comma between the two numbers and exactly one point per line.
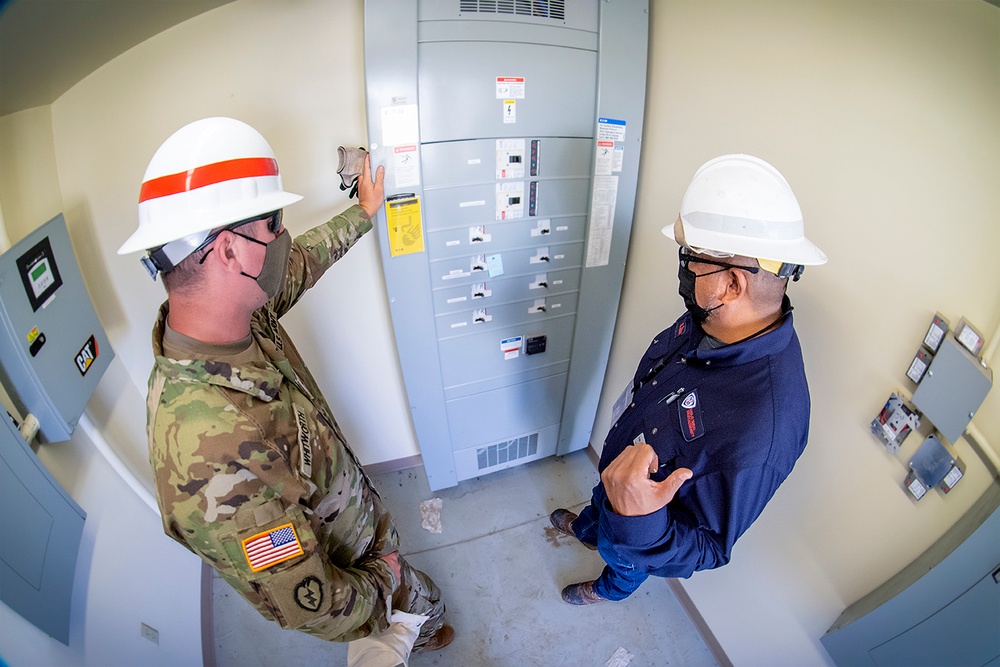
x=272, y=547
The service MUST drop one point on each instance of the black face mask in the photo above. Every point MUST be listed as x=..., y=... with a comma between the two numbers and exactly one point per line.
x=685, y=287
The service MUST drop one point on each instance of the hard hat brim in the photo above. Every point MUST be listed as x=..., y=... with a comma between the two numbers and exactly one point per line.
x=147, y=237
x=792, y=251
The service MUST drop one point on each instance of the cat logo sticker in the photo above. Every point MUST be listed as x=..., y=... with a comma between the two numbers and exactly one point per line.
x=86, y=356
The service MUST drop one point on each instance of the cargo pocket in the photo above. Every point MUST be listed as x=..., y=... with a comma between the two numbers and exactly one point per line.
x=275, y=551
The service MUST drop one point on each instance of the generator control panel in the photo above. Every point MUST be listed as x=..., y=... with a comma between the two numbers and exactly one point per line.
x=53, y=349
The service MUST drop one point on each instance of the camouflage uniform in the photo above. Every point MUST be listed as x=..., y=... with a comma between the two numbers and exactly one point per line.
x=253, y=473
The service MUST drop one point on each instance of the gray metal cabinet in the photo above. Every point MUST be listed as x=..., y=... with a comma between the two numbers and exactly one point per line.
x=514, y=129
x=942, y=609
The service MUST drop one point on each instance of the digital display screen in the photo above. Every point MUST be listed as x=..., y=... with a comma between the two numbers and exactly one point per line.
x=39, y=273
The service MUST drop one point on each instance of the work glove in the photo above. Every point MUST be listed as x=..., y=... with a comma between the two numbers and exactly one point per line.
x=352, y=164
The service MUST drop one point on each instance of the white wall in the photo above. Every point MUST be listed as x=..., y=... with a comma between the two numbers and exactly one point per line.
x=882, y=114
x=885, y=118
x=127, y=571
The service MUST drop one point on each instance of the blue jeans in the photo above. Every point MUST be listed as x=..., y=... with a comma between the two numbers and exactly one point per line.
x=620, y=577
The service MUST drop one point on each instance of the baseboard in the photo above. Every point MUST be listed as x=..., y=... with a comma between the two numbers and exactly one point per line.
x=395, y=465
x=714, y=647
x=207, y=617
x=415, y=461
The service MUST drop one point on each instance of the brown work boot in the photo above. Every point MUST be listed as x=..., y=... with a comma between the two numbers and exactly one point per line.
x=439, y=639
x=562, y=520
x=581, y=594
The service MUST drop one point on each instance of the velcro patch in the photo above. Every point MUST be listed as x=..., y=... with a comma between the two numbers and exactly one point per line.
x=271, y=547
x=689, y=411
x=305, y=448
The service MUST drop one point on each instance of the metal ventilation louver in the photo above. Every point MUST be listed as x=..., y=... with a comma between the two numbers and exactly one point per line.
x=507, y=450
x=549, y=9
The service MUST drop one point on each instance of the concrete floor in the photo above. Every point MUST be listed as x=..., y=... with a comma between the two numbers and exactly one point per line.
x=501, y=567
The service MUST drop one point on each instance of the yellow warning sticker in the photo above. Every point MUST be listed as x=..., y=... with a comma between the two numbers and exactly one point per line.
x=406, y=231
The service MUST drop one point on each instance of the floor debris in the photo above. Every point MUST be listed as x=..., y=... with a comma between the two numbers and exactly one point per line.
x=430, y=515
x=619, y=658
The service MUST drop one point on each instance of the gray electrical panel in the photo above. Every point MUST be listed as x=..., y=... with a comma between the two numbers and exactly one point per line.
x=941, y=609
x=510, y=131
x=41, y=528
x=53, y=349
x=953, y=388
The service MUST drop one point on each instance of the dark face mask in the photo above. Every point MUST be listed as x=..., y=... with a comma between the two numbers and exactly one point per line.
x=275, y=269
x=685, y=287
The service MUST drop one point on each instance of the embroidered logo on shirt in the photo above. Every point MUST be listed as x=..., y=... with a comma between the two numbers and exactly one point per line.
x=305, y=449
x=274, y=546
x=680, y=328
x=689, y=411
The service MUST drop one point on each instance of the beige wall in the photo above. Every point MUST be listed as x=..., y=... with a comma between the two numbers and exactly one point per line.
x=29, y=184
x=885, y=118
x=127, y=571
x=881, y=114
x=296, y=74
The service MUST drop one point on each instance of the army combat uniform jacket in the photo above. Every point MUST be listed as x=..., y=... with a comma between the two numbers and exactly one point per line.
x=254, y=475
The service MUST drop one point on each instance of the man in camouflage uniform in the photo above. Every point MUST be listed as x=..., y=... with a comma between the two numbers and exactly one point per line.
x=252, y=472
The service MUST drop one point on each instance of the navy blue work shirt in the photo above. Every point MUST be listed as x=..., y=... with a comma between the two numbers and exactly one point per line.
x=739, y=424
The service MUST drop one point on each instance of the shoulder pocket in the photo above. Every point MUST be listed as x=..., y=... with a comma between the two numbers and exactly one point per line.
x=276, y=552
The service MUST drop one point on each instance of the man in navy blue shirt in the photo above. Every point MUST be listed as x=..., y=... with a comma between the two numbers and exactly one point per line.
x=718, y=409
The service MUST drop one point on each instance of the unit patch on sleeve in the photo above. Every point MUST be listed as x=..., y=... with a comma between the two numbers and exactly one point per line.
x=309, y=594
x=305, y=448
x=689, y=411
x=274, y=546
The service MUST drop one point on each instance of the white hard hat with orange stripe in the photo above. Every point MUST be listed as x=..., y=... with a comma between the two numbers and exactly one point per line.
x=209, y=174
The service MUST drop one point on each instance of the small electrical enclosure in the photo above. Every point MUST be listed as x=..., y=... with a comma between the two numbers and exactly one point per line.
x=953, y=388
x=932, y=462
x=894, y=422
x=914, y=485
x=970, y=337
x=935, y=333
x=918, y=366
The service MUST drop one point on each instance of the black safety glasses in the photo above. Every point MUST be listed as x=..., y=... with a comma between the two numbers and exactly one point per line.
x=684, y=254
x=273, y=226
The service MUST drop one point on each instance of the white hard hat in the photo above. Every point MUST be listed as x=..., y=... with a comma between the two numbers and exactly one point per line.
x=208, y=174
x=741, y=205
